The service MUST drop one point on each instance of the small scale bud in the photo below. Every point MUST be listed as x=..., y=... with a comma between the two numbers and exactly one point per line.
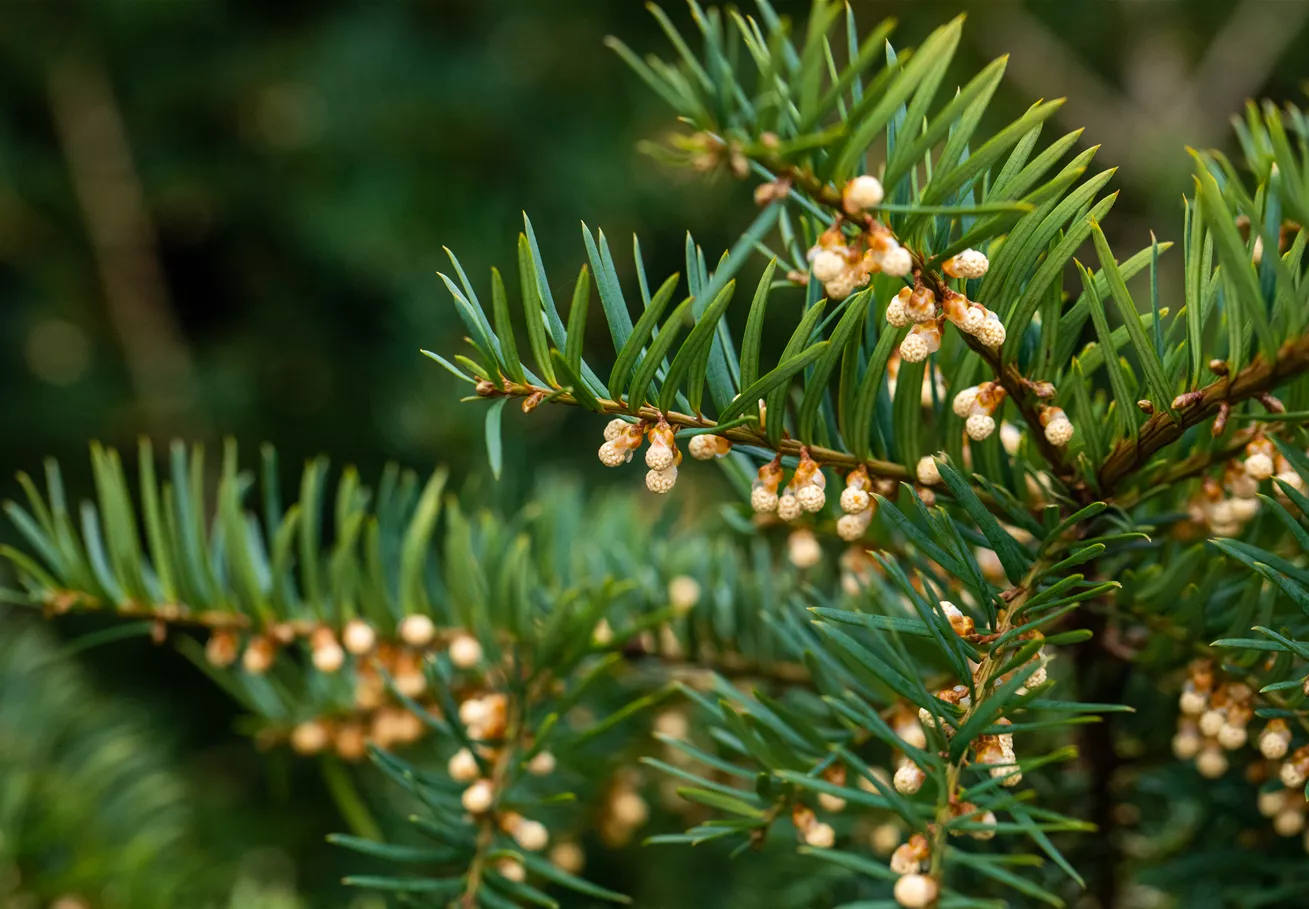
x=568, y=856
x=820, y=836
x=328, y=657
x=1289, y=821
x=803, y=549
x=465, y=651
x=788, y=508
x=829, y=802
x=979, y=426
x=1187, y=744
x=927, y=471
x=916, y=891
x=478, y=798
x=968, y=264
x=828, y=265
x=1210, y=722
x=611, y=455
x=1211, y=762
x=989, y=819
x=851, y=527
x=358, y=637
x=1059, y=431
x=1192, y=702
x=896, y=317
x=1146, y=407
x=811, y=498
x=661, y=482
x=259, y=655
x=909, y=778
x=1270, y=803
x=1259, y=466
x=511, y=870
x=897, y=262
x=417, y=630
x=463, y=766
x=616, y=428
x=702, y=447
x=309, y=737
x=854, y=500
x=531, y=835
x=1291, y=774
x=1232, y=737
x=862, y=193
x=683, y=594
x=542, y=764
x=763, y=500
x=221, y=649
x=964, y=401
x=991, y=332
x=1275, y=740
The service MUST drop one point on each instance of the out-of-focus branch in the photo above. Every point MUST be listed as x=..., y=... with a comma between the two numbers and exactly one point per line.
x=95, y=144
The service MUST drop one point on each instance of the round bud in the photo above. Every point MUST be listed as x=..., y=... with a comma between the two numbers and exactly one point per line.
x=615, y=429
x=1270, y=803
x=1187, y=744
x=897, y=262
x=828, y=265
x=328, y=657
x=1211, y=762
x=988, y=818
x=358, y=637
x=541, y=764
x=979, y=426
x=1192, y=702
x=463, y=766
x=896, y=316
x=927, y=471
x=914, y=348
x=1291, y=775
x=568, y=856
x=1259, y=466
x=659, y=457
x=915, y=891
x=804, y=549
x=968, y=264
x=1243, y=509
x=613, y=456
x=683, y=594
x=1231, y=736
x=1059, y=431
x=702, y=447
x=1289, y=821
x=531, y=835
x=259, y=655
x=417, y=630
x=862, y=193
x=855, y=500
x=629, y=809
x=972, y=320
x=661, y=482
x=474, y=712
x=991, y=332
x=820, y=836
x=309, y=737
x=965, y=401
x=1211, y=721
x=811, y=498
x=511, y=870
x=478, y=798
x=851, y=527
x=465, y=651
x=909, y=778
x=763, y=500
x=788, y=508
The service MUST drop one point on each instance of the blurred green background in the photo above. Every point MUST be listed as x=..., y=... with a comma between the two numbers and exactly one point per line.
x=227, y=218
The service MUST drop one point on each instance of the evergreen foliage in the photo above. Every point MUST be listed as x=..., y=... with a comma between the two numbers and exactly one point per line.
x=1031, y=455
